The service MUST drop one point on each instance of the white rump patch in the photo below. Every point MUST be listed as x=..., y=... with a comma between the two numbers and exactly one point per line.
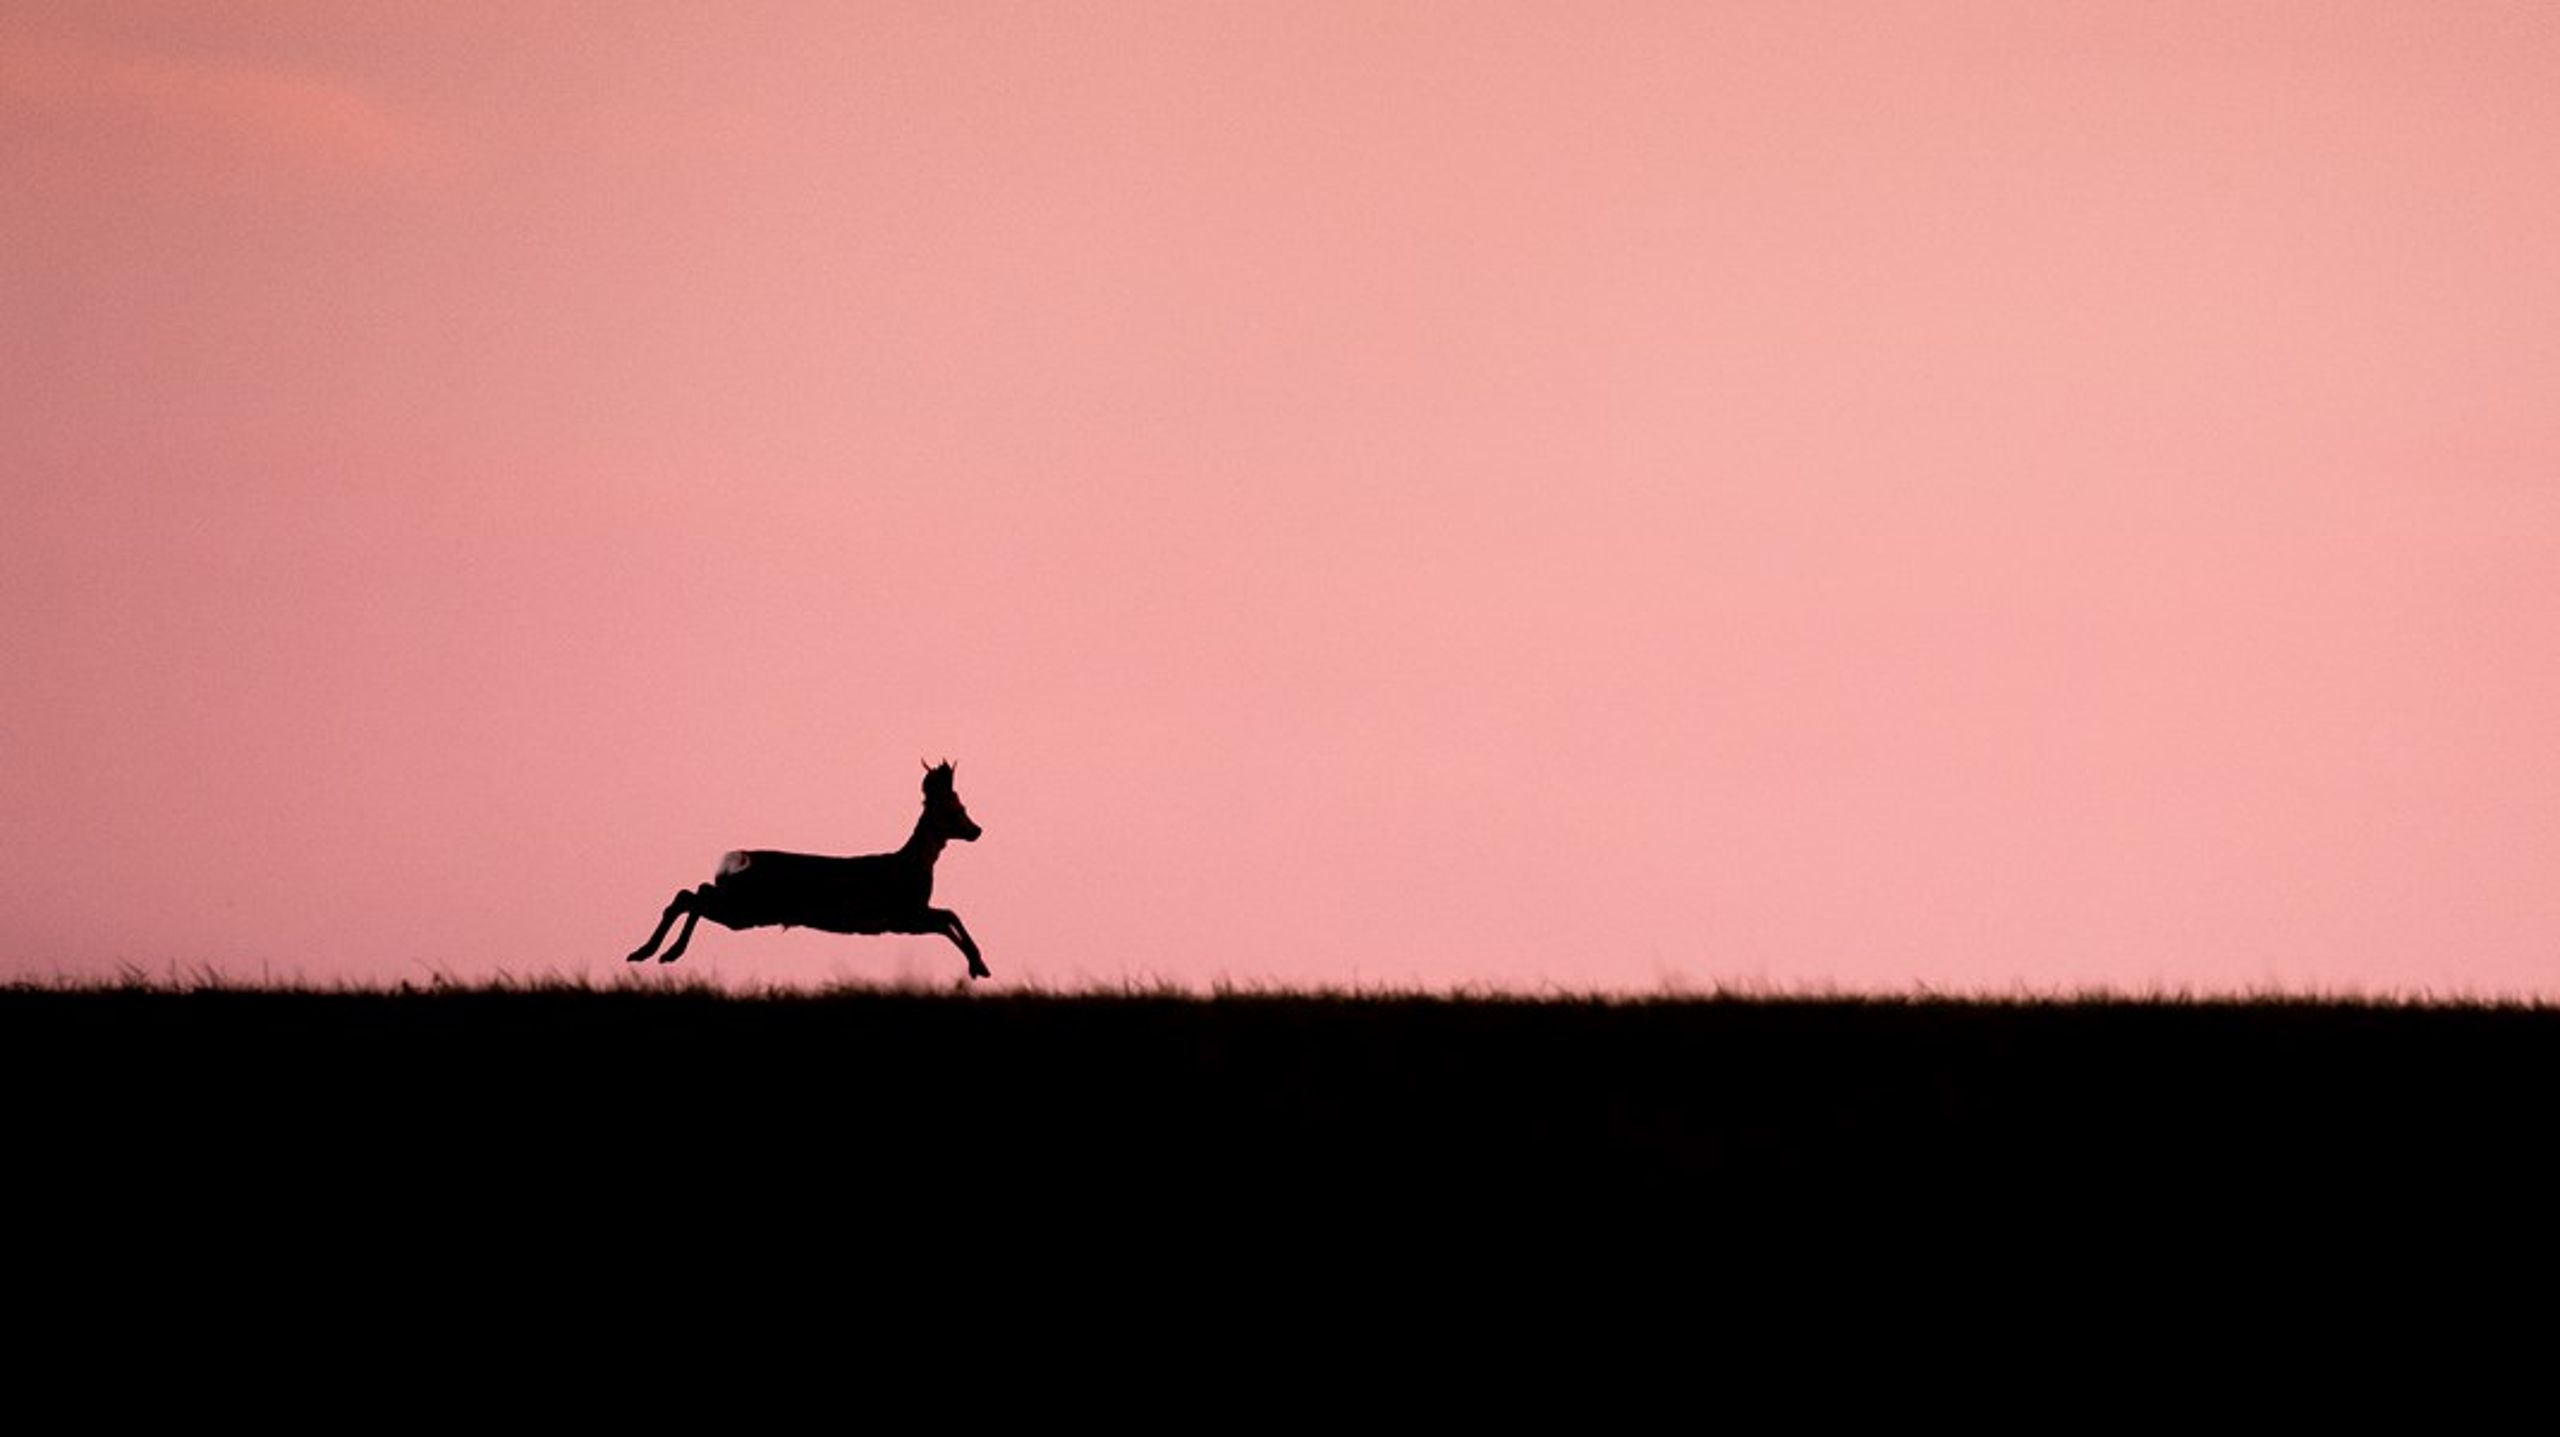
x=734, y=861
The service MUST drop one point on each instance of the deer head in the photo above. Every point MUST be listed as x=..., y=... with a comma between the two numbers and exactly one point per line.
x=942, y=805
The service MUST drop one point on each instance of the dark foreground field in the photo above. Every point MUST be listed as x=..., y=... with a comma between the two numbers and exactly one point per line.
x=1163, y=1182
x=602, y=1185
x=996, y=1110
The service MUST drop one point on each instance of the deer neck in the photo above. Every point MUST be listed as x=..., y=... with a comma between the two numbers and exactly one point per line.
x=924, y=845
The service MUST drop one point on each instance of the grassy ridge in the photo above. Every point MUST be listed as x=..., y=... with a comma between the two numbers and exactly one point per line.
x=1144, y=1176
x=986, y=1101
x=1158, y=1184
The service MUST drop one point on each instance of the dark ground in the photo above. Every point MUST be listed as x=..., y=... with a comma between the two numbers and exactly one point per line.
x=1241, y=1202
x=992, y=1107
x=1164, y=1181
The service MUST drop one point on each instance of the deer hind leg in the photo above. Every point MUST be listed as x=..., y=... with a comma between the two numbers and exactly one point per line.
x=947, y=923
x=696, y=903
x=677, y=907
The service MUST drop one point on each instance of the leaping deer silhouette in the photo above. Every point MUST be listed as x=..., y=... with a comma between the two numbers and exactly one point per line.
x=876, y=893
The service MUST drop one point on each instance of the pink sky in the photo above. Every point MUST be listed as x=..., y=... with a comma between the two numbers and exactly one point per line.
x=1610, y=495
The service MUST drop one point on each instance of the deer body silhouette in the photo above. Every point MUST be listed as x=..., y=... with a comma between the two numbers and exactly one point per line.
x=876, y=893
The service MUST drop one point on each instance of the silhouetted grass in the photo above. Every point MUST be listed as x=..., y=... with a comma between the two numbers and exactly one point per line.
x=1162, y=1180
x=1015, y=1102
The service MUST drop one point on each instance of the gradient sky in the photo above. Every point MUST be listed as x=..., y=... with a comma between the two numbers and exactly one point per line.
x=1596, y=494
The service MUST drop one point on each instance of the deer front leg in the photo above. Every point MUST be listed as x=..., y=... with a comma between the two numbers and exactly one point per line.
x=948, y=924
x=677, y=907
